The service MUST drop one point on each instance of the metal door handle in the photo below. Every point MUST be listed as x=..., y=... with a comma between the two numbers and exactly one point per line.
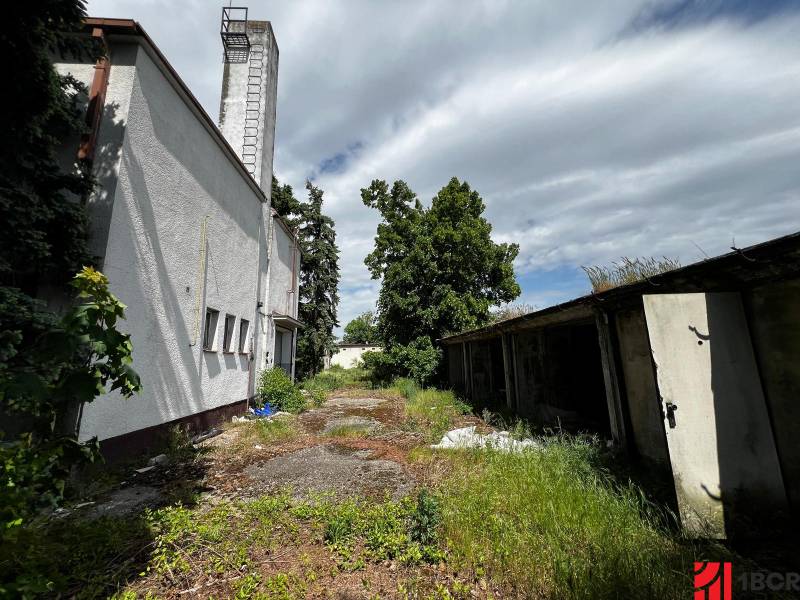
x=671, y=408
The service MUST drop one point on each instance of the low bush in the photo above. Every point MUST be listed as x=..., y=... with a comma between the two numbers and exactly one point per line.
x=418, y=360
x=278, y=390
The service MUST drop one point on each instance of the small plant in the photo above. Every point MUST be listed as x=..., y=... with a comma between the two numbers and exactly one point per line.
x=276, y=388
x=433, y=412
x=628, y=270
x=316, y=393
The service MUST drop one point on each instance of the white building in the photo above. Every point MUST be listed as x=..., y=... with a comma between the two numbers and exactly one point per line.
x=349, y=355
x=182, y=226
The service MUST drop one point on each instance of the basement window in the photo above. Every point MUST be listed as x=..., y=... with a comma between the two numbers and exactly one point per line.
x=227, y=336
x=244, y=328
x=210, y=330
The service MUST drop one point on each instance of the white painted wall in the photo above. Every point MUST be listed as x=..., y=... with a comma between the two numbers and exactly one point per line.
x=348, y=356
x=234, y=103
x=109, y=139
x=173, y=175
x=284, y=282
x=283, y=276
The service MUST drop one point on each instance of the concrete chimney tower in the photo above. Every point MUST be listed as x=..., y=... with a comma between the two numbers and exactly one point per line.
x=249, y=91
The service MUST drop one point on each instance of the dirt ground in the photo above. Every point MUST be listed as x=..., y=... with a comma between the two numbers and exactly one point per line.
x=356, y=444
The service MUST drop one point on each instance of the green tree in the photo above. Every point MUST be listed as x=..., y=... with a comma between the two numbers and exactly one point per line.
x=285, y=204
x=319, y=274
x=440, y=270
x=362, y=330
x=43, y=224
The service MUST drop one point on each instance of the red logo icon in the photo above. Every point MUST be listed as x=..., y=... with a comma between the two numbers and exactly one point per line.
x=712, y=581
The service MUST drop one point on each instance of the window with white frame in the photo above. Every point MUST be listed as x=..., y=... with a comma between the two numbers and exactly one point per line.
x=210, y=329
x=244, y=329
x=227, y=337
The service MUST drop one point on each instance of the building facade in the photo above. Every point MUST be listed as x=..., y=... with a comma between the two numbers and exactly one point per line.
x=183, y=229
x=348, y=356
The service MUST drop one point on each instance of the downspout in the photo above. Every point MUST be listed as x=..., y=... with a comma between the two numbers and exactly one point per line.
x=267, y=308
x=97, y=99
x=294, y=290
x=201, y=280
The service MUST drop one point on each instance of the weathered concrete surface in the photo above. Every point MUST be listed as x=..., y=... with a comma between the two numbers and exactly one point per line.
x=365, y=424
x=329, y=468
x=127, y=501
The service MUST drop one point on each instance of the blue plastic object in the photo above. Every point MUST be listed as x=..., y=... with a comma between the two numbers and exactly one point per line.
x=263, y=412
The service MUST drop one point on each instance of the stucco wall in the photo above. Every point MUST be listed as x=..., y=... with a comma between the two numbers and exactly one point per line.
x=234, y=102
x=775, y=330
x=283, y=284
x=109, y=140
x=640, y=386
x=348, y=356
x=173, y=175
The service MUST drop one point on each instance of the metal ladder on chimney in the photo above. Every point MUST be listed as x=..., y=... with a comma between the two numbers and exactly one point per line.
x=252, y=115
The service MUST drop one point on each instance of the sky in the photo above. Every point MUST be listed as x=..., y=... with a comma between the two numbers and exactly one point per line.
x=592, y=130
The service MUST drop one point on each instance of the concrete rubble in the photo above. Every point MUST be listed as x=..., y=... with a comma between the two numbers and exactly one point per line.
x=466, y=437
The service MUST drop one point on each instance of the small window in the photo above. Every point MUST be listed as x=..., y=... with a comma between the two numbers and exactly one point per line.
x=210, y=331
x=244, y=329
x=227, y=338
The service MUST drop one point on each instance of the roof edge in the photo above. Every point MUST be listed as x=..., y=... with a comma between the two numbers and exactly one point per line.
x=134, y=28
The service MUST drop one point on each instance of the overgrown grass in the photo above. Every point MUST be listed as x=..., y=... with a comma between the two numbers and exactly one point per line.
x=429, y=411
x=267, y=431
x=358, y=530
x=628, y=270
x=549, y=523
x=179, y=546
x=337, y=378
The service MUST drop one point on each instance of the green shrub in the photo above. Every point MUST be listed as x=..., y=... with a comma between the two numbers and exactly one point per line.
x=418, y=360
x=276, y=388
x=316, y=393
x=337, y=377
x=67, y=364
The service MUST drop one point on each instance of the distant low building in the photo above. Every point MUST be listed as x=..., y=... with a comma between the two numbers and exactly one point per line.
x=349, y=355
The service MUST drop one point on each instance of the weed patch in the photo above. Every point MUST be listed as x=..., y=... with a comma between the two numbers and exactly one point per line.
x=433, y=412
x=547, y=522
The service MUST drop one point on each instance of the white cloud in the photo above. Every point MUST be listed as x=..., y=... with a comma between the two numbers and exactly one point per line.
x=585, y=143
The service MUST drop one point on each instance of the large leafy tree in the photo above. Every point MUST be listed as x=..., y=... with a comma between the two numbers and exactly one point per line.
x=362, y=330
x=43, y=225
x=440, y=269
x=319, y=274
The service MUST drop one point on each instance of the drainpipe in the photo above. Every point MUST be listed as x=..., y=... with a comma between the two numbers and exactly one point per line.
x=97, y=100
